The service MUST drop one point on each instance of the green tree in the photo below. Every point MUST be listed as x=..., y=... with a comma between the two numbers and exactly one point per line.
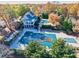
x=23, y=9
x=10, y=11
x=36, y=24
x=67, y=26
x=60, y=50
x=59, y=11
x=69, y=52
x=44, y=15
x=62, y=18
x=15, y=11
x=19, y=53
x=35, y=50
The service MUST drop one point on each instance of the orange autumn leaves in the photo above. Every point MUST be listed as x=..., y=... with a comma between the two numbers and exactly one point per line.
x=73, y=9
x=54, y=19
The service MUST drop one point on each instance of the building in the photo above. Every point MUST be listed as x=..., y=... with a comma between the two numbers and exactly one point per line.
x=29, y=19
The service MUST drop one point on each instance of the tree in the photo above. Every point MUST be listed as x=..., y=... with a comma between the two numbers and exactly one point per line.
x=49, y=7
x=17, y=10
x=44, y=15
x=19, y=53
x=10, y=11
x=69, y=52
x=5, y=16
x=62, y=18
x=60, y=50
x=23, y=9
x=35, y=50
x=37, y=23
x=72, y=9
x=67, y=25
x=59, y=11
x=57, y=51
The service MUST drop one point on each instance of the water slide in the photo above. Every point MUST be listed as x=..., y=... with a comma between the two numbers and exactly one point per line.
x=15, y=42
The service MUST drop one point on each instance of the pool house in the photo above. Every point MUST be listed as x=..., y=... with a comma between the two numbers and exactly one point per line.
x=29, y=19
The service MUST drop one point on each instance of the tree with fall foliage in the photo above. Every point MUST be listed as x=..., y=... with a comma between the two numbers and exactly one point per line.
x=72, y=9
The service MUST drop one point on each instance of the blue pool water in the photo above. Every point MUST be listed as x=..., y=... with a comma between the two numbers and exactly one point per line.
x=70, y=40
x=49, y=44
x=30, y=36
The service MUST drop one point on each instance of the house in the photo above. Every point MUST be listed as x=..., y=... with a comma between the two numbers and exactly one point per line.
x=29, y=19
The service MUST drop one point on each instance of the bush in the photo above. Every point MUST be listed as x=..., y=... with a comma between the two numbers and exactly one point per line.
x=44, y=15
x=59, y=11
x=19, y=53
x=60, y=50
x=15, y=11
x=19, y=26
x=46, y=27
x=36, y=24
x=34, y=50
x=6, y=43
x=67, y=26
x=62, y=18
x=22, y=10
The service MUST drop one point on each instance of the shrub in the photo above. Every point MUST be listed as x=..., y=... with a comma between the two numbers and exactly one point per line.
x=67, y=26
x=60, y=50
x=44, y=15
x=46, y=26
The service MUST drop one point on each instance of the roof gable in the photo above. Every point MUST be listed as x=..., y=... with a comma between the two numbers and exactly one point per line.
x=29, y=17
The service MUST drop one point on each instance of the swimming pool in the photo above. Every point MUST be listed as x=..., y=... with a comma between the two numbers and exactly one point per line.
x=70, y=40
x=42, y=38
x=45, y=39
x=39, y=37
